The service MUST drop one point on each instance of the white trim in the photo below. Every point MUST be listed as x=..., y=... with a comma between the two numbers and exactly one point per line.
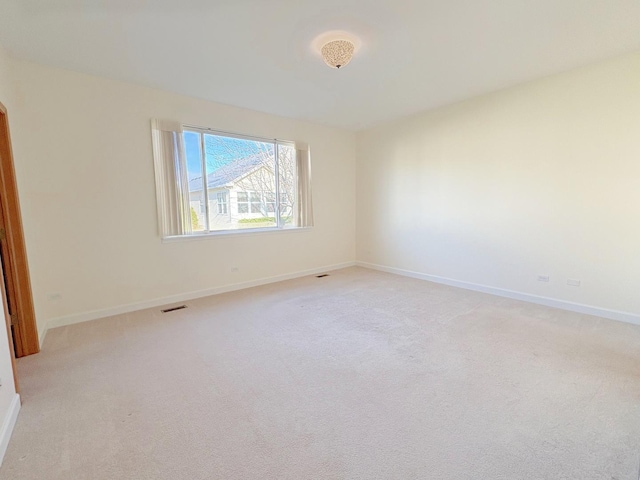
x=183, y=297
x=231, y=232
x=43, y=334
x=8, y=424
x=501, y=292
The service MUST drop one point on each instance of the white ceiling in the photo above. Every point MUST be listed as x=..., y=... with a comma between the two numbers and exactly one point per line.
x=414, y=54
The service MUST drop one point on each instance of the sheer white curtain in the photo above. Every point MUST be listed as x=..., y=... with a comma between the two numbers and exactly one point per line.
x=305, y=201
x=172, y=187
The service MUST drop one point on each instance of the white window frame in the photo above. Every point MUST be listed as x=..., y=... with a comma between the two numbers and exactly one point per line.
x=173, y=194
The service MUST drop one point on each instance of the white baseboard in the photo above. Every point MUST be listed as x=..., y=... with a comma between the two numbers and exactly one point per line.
x=43, y=334
x=182, y=297
x=501, y=292
x=7, y=426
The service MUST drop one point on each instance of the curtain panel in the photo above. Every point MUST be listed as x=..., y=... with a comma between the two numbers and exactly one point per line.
x=305, y=201
x=172, y=183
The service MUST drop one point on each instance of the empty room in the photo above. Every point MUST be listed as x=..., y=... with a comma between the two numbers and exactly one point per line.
x=328, y=240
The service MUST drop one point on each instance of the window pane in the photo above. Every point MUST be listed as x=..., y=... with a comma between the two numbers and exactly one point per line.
x=270, y=200
x=194, y=172
x=222, y=203
x=288, y=184
x=243, y=170
x=243, y=202
x=256, y=203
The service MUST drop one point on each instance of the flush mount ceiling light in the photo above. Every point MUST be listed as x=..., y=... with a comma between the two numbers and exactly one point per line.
x=337, y=53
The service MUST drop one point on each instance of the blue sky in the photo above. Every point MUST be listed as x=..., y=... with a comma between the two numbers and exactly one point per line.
x=192, y=147
x=219, y=151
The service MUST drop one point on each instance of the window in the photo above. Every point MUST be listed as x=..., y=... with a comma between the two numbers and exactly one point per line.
x=243, y=202
x=256, y=202
x=208, y=181
x=222, y=203
x=270, y=202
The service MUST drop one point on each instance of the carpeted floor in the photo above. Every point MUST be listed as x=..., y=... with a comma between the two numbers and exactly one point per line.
x=358, y=375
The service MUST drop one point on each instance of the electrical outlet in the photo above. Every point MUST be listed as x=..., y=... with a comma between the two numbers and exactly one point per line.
x=573, y=283
x=54, y=296
x=543, y=278
x=234, y=269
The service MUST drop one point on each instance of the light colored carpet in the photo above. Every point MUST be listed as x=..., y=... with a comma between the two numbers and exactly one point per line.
x=359, y=375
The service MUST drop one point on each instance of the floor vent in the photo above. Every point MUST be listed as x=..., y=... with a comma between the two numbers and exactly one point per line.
x=323, y=275
x=173, y=309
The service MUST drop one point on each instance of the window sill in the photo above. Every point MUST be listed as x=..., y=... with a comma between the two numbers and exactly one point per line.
x=233, y=233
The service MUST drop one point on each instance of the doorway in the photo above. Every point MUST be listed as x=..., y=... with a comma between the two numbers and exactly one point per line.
x=21, y=318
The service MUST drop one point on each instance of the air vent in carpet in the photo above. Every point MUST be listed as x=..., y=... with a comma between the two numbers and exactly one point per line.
x=173, y=309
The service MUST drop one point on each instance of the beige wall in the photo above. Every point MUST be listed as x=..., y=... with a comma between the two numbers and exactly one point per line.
x=85, y=172
x=539, y=179
x=7, y=389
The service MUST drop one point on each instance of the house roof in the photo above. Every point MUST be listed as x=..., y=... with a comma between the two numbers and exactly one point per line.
x=228, y=173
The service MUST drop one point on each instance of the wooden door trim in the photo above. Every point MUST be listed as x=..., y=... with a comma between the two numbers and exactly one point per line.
x=26, y=330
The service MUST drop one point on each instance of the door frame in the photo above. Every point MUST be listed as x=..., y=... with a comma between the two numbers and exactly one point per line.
x=23, y=318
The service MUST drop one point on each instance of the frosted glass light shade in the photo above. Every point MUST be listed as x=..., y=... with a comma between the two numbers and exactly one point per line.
x=337, y=53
